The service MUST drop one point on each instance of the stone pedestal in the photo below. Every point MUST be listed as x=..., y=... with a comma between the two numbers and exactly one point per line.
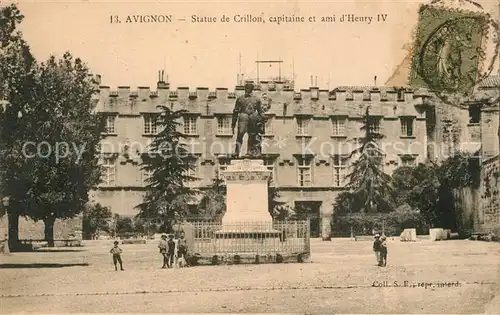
x=247, y=223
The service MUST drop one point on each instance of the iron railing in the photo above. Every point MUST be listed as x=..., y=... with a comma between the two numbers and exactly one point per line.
x=258, y=238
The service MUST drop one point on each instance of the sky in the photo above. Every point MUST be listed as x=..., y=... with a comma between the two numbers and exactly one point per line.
x=208, y=54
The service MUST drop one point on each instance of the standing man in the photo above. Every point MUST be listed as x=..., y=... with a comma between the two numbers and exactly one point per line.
x=249, y=114
x=377, y=244
x=163, y=246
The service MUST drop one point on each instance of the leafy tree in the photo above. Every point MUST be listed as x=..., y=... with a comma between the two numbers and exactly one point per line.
x=17, y=75
x=369, y=186
x=279, y=210
x=62, y=172
x=95, y=219
x=419, y=187
x=167, y=194
x=213, y=203
x=124, y=225
x=430, y=188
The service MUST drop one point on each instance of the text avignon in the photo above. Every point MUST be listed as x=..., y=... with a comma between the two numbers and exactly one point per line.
x=148, y=19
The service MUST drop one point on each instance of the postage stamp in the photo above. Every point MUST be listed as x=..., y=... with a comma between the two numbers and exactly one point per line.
x=448, y=51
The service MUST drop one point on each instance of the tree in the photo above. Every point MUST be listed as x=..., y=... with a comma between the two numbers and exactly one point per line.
x=124, y=225
x=369, y=186
x=167, y=194
x=279, y=210
x=17, y=75
x=95, y=219
x=430, y=189
x=65, y=169
x=213, y=203
x=419, y=187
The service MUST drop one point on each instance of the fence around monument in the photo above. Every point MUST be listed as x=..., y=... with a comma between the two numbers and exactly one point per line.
x=279, y=237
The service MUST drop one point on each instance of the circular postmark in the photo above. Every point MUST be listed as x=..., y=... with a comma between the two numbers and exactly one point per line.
x=449, y=58
x=454, y=51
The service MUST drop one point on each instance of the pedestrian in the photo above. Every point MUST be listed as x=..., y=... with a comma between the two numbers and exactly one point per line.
x=376, y=248
x=182, y=251
x=170, y=251
x=117, y=258
x=383, y=251
x=163, y=250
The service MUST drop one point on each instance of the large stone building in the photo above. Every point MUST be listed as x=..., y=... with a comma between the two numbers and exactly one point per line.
x=487, y=217
x=308, y=137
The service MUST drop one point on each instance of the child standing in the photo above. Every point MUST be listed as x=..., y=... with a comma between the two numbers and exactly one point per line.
x=117, y=258
x=383, y=251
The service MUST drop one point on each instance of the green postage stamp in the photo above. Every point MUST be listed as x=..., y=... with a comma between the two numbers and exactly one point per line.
x=448, y=51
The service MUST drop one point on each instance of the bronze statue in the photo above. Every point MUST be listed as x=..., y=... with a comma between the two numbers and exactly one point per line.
x=249, y=113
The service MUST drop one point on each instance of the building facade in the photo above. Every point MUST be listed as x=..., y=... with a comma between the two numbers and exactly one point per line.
x=308, y=137
x=487, y=212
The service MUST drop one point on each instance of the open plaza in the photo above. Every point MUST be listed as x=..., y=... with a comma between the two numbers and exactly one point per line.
x=452, y=277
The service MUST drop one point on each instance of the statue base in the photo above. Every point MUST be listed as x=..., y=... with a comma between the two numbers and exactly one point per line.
x=247, y=226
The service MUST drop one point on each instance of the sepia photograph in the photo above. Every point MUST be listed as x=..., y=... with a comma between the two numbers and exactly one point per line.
x=236, y=157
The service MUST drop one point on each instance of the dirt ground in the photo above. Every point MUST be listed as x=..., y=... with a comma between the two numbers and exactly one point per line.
x=432, y=277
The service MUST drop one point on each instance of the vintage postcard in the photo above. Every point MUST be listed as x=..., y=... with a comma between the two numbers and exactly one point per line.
x=237, y=157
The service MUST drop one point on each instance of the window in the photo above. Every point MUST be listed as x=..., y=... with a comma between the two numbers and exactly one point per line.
x=303, y=126
x=268, y=126
x=146, y=175
x=406, y=126
x=338, y=126
x=224, y=125
x=109, y=172
x=190, y=125
x=304, y=174
x=408, y=160
x=222, y=166
x=474, y=114
x=150, y=124
x=339, y=170
x=270, y=166
x=374, y=125
x=110, y=124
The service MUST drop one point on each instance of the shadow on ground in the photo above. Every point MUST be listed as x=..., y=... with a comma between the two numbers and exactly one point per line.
x=39, y=265
x=58, y=250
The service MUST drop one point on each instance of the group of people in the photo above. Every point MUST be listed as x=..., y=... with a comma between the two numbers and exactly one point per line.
x=172, y=257
x=380, y=249
x=174, y=252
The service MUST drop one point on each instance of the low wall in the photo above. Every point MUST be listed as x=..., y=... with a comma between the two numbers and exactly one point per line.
x=489, y=206
x=29, y=229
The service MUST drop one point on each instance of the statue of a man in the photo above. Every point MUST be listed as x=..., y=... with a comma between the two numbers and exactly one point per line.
x=249, y=114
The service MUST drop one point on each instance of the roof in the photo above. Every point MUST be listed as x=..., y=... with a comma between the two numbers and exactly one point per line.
x=490, y=81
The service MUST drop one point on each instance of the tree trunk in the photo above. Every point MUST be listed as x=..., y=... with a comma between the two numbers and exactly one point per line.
x=49, y=231
x=13, y=231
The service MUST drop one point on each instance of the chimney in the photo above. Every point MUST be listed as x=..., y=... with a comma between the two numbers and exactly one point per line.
x=375, y=80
